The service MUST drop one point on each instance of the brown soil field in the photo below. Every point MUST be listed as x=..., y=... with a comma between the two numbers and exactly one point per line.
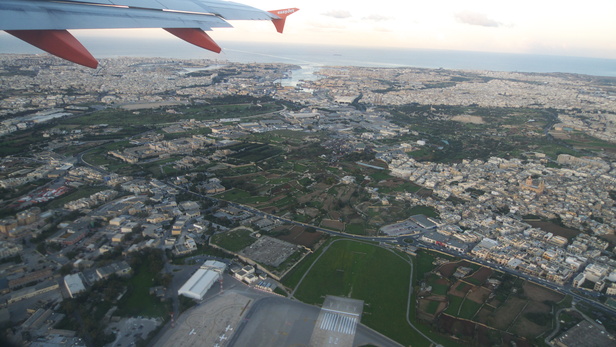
x=321, y=187
x=271, y=209
x=299, y=236
x=345, y=193
x=494, y=303
x=441, y=307
x=276, y=198
x=471, y=334
x=332, y=224
x=482, y=339
x=449, y=269
x=482, y=274
x=485, y=315
x=334, y=215
x=281, y=190
x=423, y=316
x=442, y=298
x=328, y=202
x=540, y=294
x=454, y=326
x=555, y=229
x=526, y=328
x=311, y=212
x=460, y=288
x=507, y=312
x=390, y=183
x=309, y=197
x=537, y=307
x=479, y=295
x=442, y=281
x=424, y=304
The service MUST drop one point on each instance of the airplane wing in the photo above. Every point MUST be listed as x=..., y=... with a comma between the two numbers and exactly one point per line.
x=44, y=23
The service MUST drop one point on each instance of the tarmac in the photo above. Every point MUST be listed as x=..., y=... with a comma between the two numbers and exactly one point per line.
x=243, y=316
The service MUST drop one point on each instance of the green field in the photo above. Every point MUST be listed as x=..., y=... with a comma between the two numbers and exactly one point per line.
x=292, y=278
x=365, y=272
x=137, y=300
x=468, y=309
x=432, y=307
x=357, y=229
x=454, y=305
x=425, y=210
x=234, y=240
x=242, y=197
x=437, y=288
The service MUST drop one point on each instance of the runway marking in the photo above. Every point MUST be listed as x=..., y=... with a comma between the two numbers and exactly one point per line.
x=343, y=312
x=339, y=323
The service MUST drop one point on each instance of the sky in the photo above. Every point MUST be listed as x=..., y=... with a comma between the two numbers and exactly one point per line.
x=582, y=28
x=572, y=28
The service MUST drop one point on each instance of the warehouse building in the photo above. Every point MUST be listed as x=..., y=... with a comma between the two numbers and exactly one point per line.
x=202, y=280
x=74, y=284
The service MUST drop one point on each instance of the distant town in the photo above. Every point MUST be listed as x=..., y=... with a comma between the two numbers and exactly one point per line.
x=134, y=195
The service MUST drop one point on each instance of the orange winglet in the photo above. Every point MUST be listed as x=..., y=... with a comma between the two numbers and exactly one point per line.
x=59, y=43
x=195, y=36
x=283, y=14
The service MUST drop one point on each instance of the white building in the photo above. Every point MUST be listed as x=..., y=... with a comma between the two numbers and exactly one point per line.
x=74, y=284
x=202, y=280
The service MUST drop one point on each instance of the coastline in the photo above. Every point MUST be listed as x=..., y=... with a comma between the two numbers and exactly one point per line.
x=316, y=56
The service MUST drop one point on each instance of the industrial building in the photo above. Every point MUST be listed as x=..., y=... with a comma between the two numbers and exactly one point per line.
x=424, y=222
x=74, y=284
x=202, y=280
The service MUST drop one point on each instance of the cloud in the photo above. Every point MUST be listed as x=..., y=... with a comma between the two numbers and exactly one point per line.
x=339, y=14
x=476, y=18
x=377, y=18
x=326, y=26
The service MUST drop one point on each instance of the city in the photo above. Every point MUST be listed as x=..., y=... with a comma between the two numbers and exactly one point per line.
x=509, y=175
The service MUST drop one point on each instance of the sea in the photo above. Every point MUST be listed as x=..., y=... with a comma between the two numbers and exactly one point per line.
x=312, y=57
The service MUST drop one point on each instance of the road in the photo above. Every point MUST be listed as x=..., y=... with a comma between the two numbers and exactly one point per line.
x=394, y=240
x=566, y=290
x=399, y=240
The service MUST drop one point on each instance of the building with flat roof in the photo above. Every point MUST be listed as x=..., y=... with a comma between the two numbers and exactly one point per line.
x=120, y=268
x=584, y=334
x=199, y=283
x=74, y=284
x=424, y=222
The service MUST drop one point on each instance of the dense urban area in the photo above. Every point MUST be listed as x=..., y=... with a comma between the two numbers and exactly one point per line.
x=447, y=206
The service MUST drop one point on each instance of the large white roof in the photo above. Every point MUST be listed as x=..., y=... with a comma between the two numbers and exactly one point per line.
x=74, y=284
x=213, y=264
x=199, y=284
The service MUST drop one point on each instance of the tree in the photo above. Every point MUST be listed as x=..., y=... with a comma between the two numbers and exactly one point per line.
x=71, y=254
x=41, y=248
x=66, y=269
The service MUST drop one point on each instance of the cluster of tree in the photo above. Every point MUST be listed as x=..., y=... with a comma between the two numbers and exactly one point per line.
x=509, y=285
x=84, y=312
x=153, y=257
